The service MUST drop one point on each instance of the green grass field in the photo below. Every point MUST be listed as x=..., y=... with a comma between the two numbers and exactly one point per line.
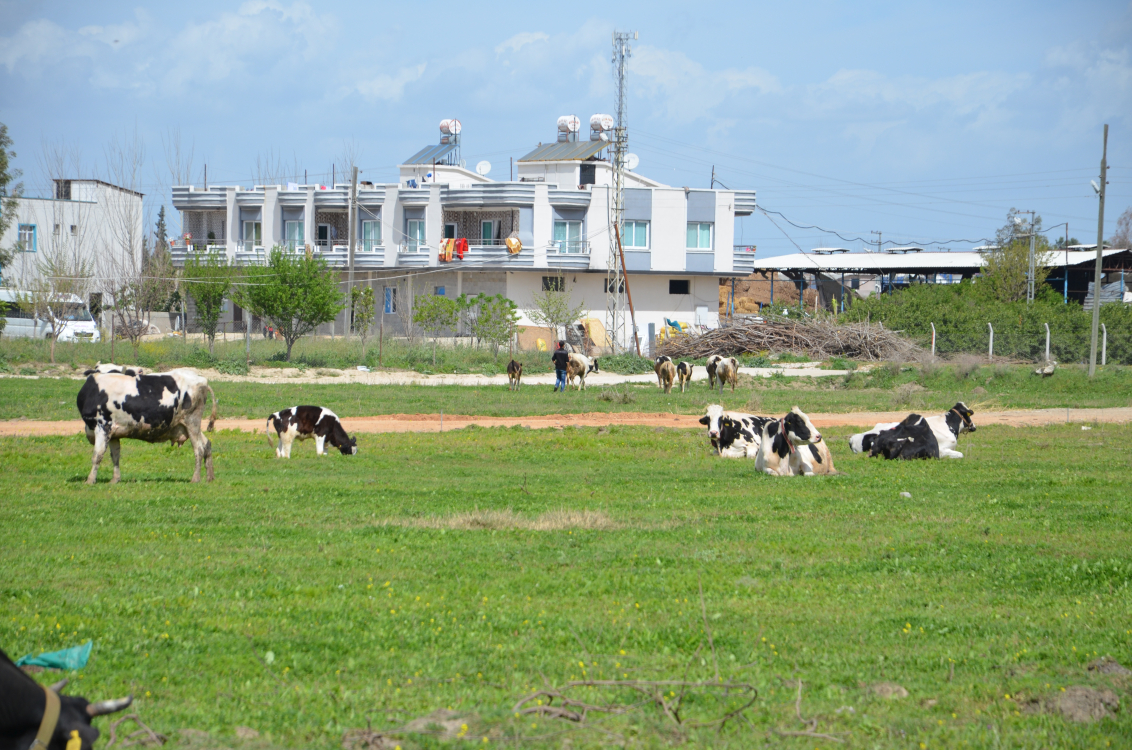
x=462, y=570
x=884, y=388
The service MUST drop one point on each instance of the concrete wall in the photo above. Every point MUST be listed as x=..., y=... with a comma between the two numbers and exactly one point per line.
x=669, y=229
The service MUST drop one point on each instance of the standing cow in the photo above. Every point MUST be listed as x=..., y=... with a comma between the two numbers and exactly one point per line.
x=712, y=363
x=305, y=422
x=154, y=408
x=514, y=375
x=656, y=368
x=684, y=374
x=578, y=366
x=666, y=371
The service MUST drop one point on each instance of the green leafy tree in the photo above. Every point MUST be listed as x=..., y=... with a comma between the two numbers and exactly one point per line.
x=494, y=319
x=434, y=313
x=10, y=191
x=1006, y=265
x=208, y=282
x=1123, y=236
x=294, y=292
x=363, y=310
x=554, y=307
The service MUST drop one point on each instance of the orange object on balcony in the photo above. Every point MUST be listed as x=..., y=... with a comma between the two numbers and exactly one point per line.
x=447, y=247
x=514, y=246
x=461, y=247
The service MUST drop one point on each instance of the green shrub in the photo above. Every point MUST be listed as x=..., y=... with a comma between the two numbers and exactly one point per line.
x=232, y=367
x=627, y=363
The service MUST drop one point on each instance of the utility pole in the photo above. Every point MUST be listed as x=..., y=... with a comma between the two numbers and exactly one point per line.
x=351, y=235
x=614, y=274
x=1100, y=254
x=880, y=245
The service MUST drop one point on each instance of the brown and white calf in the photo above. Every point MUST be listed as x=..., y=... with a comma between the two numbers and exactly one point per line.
x=306, y=422
x=792, y=446
x=666, y=372
x=154, y=408
x=578, y=366
x=727, y=371
x=684, y=374
x=514, y=375
x=712, y=364
x=656, y=368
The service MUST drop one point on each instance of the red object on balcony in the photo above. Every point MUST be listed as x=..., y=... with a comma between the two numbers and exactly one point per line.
x=461, y=247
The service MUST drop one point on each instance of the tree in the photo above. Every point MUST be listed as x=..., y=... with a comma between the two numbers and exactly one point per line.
x=10, y=191
x=404, y=302
x=553, y=306
x=56, y=292
x=208, y=281
x=435, y=313
x=362, y=312
x=1006, y=265
x=494, y=319
x=1061, y=243
x=1123, y=236
x=294, y=292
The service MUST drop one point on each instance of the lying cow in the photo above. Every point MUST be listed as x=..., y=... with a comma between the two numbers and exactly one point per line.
x=946, y=427
x=578, y=366
x=912, y=438
x=727, y=371
x=666, y=371
x=35, y=716
x=514, y=375
x=684, y=374
x=792, y=446
x=712, y=363
x=155, y=408
x=656, y=368
x=305, y=422
x=733, y=434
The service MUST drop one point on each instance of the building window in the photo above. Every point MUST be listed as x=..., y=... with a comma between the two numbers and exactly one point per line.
x=415, y=236
x=635, y=235
x=56, y=230
x=438, y=291
x=553, y=283
x=679, y=286
x=451, y=229
x=568, y=237
x=699, y=236
x=587, y=175
x=390, y=300
x=322, y=235
x=855, y=282
x=26, y=238
x=371, y=235
x=488, y=231
x=253, y=235
x=74, y=230
x=294, y=234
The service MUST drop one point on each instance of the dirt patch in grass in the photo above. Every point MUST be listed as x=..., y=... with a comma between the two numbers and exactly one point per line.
x=1077, y=703
x=553, y=520
x=1108, y=665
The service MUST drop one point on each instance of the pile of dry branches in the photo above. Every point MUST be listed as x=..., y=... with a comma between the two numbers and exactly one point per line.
x=818, y=339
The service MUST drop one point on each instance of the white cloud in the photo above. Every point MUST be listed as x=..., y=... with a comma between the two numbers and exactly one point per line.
x=390, y=87
x=687, y=90
x=520, y=40
x=38, y=41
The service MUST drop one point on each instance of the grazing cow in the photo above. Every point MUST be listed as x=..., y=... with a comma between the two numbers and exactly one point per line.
x=912, y=438
x=733, y=434
x=712, y=363
x=727, y=371
x=155, y=408
x=514, y=375
x=578, y=366
x=305, y=422
x=684, y=374
x=947, y=428
x=666, y=371
x=656, y=368
x=792, y=446
x=30, y=712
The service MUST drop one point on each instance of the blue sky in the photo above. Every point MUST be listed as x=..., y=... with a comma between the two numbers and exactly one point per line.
x=926, y=121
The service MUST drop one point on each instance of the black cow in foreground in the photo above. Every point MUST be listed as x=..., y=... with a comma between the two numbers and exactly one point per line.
x=155, y=408
x=305, y=422
x=514, y=375
x=912, y=438
x=24, y=703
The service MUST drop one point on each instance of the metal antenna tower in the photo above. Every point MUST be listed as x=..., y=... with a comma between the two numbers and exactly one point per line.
x=614, y=277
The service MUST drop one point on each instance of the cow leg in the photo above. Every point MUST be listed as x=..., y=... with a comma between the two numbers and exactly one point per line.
x=950, y=454
x=115, y=455
x=320, y=445
x=210, y=474
x=286, y=442
x=100, y=444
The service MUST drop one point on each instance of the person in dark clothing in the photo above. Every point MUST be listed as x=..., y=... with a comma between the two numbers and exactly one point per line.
x=560, y=358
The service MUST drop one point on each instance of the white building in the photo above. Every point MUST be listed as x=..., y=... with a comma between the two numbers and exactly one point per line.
x=678, y=242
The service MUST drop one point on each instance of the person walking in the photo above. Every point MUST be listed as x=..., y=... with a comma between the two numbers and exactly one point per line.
x=560, y=358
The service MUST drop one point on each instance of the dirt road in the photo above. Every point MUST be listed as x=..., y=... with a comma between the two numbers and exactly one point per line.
x=432, y=422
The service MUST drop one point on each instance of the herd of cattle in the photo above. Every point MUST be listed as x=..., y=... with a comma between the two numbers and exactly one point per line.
x=119, y=402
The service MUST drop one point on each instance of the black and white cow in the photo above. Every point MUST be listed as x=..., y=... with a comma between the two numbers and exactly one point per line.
x=792, y=446
x=909, y=439
x=305, y=422
x=24, y=704
x=684, y=374
x=579, y=366
x=110, y=367
x=733, y=434
x=656, y=368
x=947, y=428
x=154, y=408
x=712, y=363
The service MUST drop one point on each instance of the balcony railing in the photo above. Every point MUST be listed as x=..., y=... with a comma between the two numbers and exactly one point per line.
x=412, y=248
x=571, y=247
x=743, y=258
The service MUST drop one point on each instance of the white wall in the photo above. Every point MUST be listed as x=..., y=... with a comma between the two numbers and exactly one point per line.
x=669, y=229
x=724, y=231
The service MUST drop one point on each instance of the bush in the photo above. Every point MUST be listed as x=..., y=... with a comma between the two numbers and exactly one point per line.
x=232, y=367
x=627, y=363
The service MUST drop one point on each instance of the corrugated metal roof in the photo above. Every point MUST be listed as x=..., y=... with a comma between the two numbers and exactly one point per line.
x=432, y=154
x=924, y=262
x=565, y=151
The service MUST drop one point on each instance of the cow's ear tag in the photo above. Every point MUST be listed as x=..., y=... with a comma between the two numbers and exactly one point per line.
x=76, y=742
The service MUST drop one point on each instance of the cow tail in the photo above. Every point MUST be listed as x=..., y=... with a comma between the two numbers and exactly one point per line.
x=267, y=432
x=212, y=419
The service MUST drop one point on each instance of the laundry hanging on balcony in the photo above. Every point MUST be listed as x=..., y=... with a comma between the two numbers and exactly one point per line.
x=447, y=248
x=514, y=246
x=461, y=247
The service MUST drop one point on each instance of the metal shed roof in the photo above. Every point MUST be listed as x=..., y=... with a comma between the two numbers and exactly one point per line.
x=565, y=151
x=922, y=262
x=432, y=154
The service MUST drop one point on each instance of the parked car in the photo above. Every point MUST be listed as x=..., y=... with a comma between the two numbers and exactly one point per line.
x=79, y=326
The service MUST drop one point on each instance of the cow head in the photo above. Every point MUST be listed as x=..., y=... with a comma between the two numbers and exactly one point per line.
x=799, y=429
x=964, y=413
x=350, y=447
x=593, y=366
x=711, y=420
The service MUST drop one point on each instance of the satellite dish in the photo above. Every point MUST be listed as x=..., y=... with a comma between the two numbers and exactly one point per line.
x=631, y=161
x=483, y=168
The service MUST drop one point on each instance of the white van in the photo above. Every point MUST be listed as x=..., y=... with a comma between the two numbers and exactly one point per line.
x=80, y=327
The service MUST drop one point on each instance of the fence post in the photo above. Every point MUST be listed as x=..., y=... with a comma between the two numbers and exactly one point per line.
x=1104, y=344
x=933, y=338
x=990, y=348
x=652, y=340
x=1047, y=341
